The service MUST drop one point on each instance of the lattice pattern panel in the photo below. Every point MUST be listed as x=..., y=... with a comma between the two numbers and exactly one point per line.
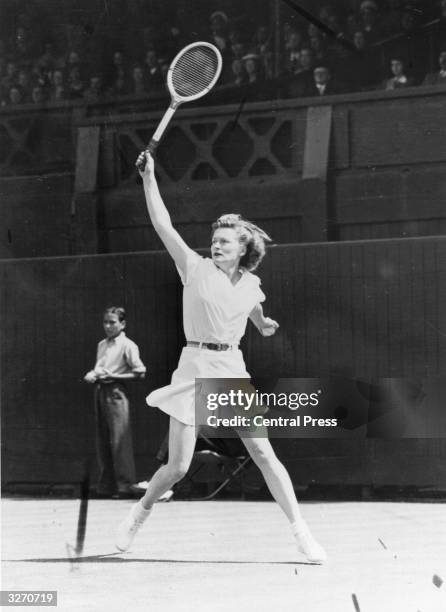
x=216, y=148
x=33, y=142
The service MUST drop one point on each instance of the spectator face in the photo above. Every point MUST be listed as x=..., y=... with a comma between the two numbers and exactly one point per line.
x=95, y=83
x=234, y=36
x=238, y=50
x=164, y=67
x=368, y=16
x=324, y=13
x=119, y=84
x=137, y=74
x=73, y=58
x=294, y=41
x=214, y=24
x=306, y=58
x=397, y=67
x=23, y=79
x=334, y=23
x=59, y=93
x=312, y=30
x=151, y=59
x=57, y=78
x=112, y=325
x=262, y=35
x=321, y=75
x=287, y=29
x=75, y=74
x=20, y=35
x=351, y=23
x=47, y=57
x=442, y=60
x=359, y=40
x=316, y=43
x=45, y=61
x=218, y=25
x=251, y=66
x=15, y=95
x=37, y=95
x=11, y=69
x=118, y=58
x=237, y=68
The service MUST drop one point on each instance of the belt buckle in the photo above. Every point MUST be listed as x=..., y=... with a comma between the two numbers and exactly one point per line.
x=217, y=347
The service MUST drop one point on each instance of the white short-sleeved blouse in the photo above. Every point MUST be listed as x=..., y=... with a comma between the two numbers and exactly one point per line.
x=214, y=310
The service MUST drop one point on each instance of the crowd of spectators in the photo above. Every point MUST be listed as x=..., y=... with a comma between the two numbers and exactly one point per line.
x=376, y=46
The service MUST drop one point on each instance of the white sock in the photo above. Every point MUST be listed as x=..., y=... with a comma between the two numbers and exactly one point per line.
x=298, y=526
x=140, y=511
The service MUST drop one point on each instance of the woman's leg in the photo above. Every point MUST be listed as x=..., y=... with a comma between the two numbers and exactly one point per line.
x=182, y=439
x=275, y=475
x=279, y=483
x=181, y=449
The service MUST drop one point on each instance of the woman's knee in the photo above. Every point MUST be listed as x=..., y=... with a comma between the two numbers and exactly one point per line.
x=177, y=471
x=262, y=456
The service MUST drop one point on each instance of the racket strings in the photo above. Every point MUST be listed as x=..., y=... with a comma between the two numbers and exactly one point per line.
x=194, y=71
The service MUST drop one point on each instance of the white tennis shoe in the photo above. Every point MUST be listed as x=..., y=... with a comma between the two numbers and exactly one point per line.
x=129, y=527
x=308, y=545
x=140, y=487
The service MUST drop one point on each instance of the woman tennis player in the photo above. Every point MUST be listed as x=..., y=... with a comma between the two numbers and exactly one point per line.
x=220, y=294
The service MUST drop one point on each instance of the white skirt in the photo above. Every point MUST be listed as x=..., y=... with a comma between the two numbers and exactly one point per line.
x=178, y=398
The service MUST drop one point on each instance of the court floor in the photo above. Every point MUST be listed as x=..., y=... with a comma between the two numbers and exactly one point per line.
x=229, y=556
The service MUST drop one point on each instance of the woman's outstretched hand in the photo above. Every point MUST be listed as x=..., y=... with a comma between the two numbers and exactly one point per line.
x=269, y=327
x=145, y=165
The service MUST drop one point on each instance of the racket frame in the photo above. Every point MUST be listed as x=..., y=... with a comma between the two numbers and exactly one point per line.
x=175, y=99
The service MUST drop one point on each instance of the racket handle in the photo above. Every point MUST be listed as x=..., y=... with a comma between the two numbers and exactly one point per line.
x=151, y=148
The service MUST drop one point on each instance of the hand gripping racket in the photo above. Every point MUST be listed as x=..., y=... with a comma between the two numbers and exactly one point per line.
x=192, y=73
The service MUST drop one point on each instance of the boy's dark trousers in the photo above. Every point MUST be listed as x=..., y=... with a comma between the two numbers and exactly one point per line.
x=113, y=439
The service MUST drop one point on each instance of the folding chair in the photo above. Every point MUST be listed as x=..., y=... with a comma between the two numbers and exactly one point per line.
x=228, y=457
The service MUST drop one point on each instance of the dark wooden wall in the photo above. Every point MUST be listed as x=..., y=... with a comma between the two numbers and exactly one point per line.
x=352, y=309
x=35, y=216
x=384, y=178
x=392, y=182
x=385, y=168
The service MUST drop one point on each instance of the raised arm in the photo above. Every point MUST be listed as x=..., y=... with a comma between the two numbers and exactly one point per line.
x=265, y=325
x=160, y=217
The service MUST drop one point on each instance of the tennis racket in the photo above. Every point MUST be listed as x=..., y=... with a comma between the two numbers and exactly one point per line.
x=192, y=73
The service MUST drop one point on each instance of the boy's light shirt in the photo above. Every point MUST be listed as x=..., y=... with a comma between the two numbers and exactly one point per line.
x=119, y=355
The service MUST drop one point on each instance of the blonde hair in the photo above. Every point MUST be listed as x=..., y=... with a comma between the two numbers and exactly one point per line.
x=254, y=239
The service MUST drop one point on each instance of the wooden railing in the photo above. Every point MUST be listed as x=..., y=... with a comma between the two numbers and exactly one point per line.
x=217, y=143
x=247, y=139
x=36, y=139
x=385, y=163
